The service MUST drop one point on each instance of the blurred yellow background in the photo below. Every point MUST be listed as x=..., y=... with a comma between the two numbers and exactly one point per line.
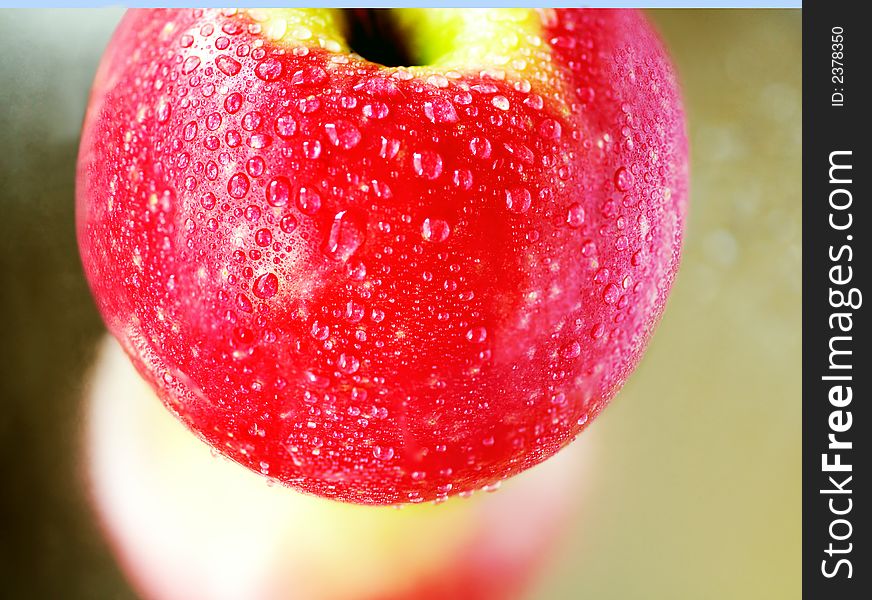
x=697, y=485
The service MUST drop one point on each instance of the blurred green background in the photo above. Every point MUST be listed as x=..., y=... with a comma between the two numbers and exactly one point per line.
x=698, y=487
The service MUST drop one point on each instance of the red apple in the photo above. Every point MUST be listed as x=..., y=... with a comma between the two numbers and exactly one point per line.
x=186, y=525
x=383, y=284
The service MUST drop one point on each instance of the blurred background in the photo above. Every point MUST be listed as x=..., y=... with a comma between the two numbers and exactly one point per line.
x=695, y=491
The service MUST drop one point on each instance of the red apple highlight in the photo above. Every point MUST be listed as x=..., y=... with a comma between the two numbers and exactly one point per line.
x=383, y=284
x=189, y=526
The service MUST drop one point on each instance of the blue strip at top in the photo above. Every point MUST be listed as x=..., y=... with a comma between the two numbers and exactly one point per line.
x=408, y=3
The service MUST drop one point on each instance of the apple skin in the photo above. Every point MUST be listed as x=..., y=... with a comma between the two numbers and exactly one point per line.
x=383, y=285
x=186, y=525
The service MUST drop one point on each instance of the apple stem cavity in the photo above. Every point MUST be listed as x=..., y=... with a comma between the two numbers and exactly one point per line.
x=376, y=36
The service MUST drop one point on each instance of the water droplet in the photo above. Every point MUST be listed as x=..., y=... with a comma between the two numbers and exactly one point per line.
x=308, y=201
x=286, y=125
x=480, y=147
x=213, y=121
x=312, y=149
x=227, y=65
x=345, y=237
x=243, y=303
x=277, y=191
x=571, y=350
x=319, y=332
x=342, y=134
x=427, y=164
x=598, y=330
x=623, y=179
x=269, y=69
x=208, y=200
x=462, y=179
x=550, y=129
x=348, y=364
x=382, y=452
x=186, y=41
x=518, y=200
x=500, y=102
x=255, y=166
x=288, y=223
x=164, y=111
x=353, y=312
x=611, y=293
x=575, y=215
x=190, y=64
x=190, y=131
x=233, y=102
x=263, y=237
x=237, y=187
x=376, y=110
x=435, y=230
x=259, y=141
x=266, y=286
x=440, y=110
x=476, y=335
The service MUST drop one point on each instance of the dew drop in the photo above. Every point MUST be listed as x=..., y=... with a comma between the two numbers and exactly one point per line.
x=190, y=64
x=575, y=215
x=480, y=147
x=427, y=164
x=285, y=125
x=345, y=237
x=500, y=102
x=263, y=238
x=227, y=65
x=382, y=452
x=571, y=350
x=308, y=201
x=278, y=191
x=233, y=102
x=190, y=131
x=288, y=223
x=237, y=187
x=440, y=111
x=518, y=200
x=342, y=134
x=435, y=230
x=476, y=335
x=348, y=364
x=611, y=293
x=266, y=286
x=269, y=69
x=623, y=179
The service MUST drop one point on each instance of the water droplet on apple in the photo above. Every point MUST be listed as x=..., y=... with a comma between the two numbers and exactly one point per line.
x=190, y=64
x=286, y=125
x=227, y=65
x=480, y=147
x=382, y=452
x=308, y=200
x=348, y=364
x=266, y=286
x=427, y=164
x=575, y=215
x=435, y=230
x=263, y=237
x=345, y=237
x=518, y=200
x=440, y=110
x=343, y=134
x=476, y=335
x=269, y=69
x=623, y=179
x=233, y=102
x=237, y=187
